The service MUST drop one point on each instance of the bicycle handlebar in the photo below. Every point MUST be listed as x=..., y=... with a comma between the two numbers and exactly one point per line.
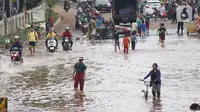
x=146, y=83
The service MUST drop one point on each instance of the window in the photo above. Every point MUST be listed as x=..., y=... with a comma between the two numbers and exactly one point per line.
x=154, y=3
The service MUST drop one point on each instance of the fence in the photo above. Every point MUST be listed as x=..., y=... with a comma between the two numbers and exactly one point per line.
x=11, y=25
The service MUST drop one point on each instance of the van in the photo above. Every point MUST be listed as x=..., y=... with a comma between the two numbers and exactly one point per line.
x=103, y=5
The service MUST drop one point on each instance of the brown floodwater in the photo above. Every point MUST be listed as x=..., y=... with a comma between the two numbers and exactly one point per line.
x=43, y=83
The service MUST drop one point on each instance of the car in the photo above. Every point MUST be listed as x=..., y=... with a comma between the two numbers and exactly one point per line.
x=150, y=7
x=103, y=5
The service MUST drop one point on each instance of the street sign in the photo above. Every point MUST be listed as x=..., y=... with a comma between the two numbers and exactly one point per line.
x=184, y=13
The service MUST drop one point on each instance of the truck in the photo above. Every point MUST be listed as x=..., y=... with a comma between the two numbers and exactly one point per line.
x=124, y=11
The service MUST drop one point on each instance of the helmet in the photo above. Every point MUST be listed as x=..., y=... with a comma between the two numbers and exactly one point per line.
x=16, y=37
x=80, y=58
x=66, y=28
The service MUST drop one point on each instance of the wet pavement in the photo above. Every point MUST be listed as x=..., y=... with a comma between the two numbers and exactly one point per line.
x=43, y=83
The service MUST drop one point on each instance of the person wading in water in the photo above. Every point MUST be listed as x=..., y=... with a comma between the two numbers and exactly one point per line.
x=79, y=74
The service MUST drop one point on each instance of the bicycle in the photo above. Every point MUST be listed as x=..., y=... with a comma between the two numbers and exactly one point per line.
x=147, y=84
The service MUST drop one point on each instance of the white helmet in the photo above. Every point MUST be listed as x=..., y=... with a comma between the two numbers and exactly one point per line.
x=80, y=58
x=66, y=28
x=16, y=37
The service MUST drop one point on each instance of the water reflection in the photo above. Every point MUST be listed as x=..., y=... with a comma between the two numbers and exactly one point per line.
x=157, y=105
x=79, y=98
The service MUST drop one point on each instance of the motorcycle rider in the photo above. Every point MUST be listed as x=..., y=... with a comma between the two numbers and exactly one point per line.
x=17, y=44
x=155, y=80
x=67, y=34
x=78, y=17
x=49, y=25
x=51, y=34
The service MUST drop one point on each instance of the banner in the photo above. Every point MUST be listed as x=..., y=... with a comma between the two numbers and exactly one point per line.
x=38, y=16
x=184, y=13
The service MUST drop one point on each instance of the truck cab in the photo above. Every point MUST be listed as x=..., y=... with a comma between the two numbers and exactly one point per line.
x=124, y=11
x=103, y=5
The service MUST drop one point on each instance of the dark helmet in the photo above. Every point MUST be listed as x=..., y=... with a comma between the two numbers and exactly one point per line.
x=155, y=65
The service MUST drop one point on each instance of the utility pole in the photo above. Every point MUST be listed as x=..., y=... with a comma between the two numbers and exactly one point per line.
x=3, y=18
x=17, y=5
x=3, y=13
x=10, y=7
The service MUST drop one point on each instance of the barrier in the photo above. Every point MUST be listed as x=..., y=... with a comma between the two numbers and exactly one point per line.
x=11, y=25
x=195, y=106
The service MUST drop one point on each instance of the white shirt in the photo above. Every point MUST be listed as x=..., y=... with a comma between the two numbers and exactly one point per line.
x=162, y=9
x=134, y=26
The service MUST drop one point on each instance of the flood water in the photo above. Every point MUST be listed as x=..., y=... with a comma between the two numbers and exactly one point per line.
x=43, y=83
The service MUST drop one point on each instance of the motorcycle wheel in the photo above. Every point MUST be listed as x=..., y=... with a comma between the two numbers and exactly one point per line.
x=66, y=47
x=84, y=32
x=109, y=34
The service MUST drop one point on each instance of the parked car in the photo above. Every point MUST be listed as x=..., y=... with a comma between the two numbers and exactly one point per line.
x=150, y=7
x=103, y=5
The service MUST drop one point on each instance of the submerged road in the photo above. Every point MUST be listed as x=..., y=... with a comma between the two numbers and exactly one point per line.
x=43, y=83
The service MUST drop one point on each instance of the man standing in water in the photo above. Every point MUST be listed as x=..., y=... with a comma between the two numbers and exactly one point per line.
x=79, y=74
x=155, y=80
x=116, y=38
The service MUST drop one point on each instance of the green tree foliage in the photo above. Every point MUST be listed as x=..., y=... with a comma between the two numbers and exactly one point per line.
x=52, y=3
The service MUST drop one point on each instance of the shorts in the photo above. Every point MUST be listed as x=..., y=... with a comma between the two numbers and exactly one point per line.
x=32, y=43
x=93, y=31
x=133, y=32
x=147, y=26
x=125, y=45
x=162, y=37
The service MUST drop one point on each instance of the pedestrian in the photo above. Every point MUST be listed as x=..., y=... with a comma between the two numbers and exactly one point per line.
x=180, y=26
x=134, y=28
x=49, y=25
x=147, y=22
x=161, y=31
x=155, y=82
x=133, y=40
x=143, y=28
x=126, y=42
x=162, y=12
x=32, y=38
x=79, y=74
x=139, y=24
x=92, y=28
x=116, y=38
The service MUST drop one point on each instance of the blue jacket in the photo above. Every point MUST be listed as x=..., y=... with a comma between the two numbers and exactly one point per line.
x=17, y=44
x=158, y=75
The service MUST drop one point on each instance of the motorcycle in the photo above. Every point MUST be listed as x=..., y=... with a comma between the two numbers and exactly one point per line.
x=84, y=28
x=15, y=55
x=66, y=44
x=104, y=33
x=51, y=44
x=79, y=23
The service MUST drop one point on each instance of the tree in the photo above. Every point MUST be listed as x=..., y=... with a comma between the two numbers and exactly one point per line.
x=52, y=3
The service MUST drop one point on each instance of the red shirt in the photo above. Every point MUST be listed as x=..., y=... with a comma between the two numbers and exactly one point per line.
x=66, y=34
x=52, y=20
